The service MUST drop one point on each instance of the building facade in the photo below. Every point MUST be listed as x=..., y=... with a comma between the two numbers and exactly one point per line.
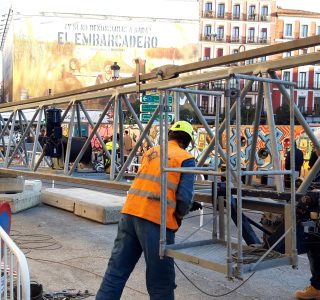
x=295, y=24
x=231, y=26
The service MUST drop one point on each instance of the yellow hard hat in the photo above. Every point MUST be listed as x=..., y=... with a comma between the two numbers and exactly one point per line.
x=183, y=126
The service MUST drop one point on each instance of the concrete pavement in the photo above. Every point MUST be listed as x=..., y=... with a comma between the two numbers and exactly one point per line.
x=65, y=251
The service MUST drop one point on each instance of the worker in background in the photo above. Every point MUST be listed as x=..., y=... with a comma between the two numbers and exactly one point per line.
x=313, y=252
x=127, y=143
x=107, y=161
x=313, y=290
x=298, y=159
x=139, y=225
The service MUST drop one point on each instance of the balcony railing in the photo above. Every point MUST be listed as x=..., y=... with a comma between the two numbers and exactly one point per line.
x=209, y=110
x=235, y=39
x=303, y=84
x=309, y=111
x=316, y=85
x=288, y=36
x=209, y=14
x=258, y=40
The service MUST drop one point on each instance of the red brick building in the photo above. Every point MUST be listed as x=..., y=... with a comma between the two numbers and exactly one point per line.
x=294, y=24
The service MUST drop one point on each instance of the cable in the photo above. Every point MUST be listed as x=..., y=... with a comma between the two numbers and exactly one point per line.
x=81, y=269
x=212, y=295
x=254, y=254
x=194, y=216
x=29, y=242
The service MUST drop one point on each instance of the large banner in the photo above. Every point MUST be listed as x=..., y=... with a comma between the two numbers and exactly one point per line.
x=62, y=54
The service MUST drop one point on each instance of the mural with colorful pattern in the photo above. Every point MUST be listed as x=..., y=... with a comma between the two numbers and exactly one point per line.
x=202, y=139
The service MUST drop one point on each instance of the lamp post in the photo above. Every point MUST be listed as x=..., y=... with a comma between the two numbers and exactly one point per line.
x=115, y=68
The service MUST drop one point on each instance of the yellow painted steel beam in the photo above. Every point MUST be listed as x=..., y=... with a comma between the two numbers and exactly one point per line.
x=174, y=70
x=274, y=65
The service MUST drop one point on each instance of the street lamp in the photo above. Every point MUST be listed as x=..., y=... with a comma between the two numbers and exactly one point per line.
x=115, y=68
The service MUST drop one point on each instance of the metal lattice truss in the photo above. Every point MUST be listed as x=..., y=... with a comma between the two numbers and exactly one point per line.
x=165, y=78
x=179, y=80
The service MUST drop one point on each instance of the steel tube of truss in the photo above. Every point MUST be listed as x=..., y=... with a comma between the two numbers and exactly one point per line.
x=293, y=223
x=121, y=132
x=129, y=106
x=97, y=132
x=66, y=111
x=23, y=142
x=256, y=78
x=197, y=92
x=70, y=135
x=34, y=149
x=35, y=139
x=228, y=183
x=273, y=138
x=88, y=141
x=10, y=138
x=78, y=119
x=257, y=117
x=239, y=182
x=163, y=141
x=23, y=138
x=5, y=126
x=116, y=111
x=216, y=161
x=205, y=154
x=222, y=127
x=137, y=145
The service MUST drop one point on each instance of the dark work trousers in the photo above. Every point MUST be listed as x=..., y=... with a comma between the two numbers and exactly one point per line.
x=136, y=235
x=314, y=261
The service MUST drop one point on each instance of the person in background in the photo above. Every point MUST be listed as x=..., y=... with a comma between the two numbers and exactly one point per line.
x=313, y=157
x=139, y=225
x=298, y=159
x=107, y=161
x=127, y=143
x=313, y=290
x=106, y=76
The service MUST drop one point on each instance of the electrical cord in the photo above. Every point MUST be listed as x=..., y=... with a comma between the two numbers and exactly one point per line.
x=29, y=242
x=208, y=294
x=81, y=269
x=253, y=254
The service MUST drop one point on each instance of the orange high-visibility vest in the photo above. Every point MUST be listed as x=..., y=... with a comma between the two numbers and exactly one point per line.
x=144, y=194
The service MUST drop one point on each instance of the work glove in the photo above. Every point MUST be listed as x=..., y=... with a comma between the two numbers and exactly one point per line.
x=195, y=206
x=179, y=221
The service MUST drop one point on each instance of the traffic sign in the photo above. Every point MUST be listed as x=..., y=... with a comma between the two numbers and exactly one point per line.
x=150, y=108
x=155, y=99
x=145, y=117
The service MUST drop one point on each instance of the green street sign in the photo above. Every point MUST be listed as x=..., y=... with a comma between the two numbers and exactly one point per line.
x=150, y=108
x=155, y=99
x=145, y=117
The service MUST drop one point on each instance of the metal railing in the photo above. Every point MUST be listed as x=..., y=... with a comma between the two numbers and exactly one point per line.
x=303, y=84
x=209, y=14
x=258, y=40
x=15, y=278
x=235, y=39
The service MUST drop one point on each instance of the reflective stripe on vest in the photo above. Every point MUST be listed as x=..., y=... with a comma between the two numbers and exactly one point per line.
x=151, y=196
x=154, y=178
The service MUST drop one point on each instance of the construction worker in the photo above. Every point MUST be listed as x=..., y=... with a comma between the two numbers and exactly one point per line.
x=107, y=161
x=139, y=225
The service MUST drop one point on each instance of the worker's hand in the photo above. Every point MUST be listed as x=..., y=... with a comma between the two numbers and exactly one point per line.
x=178, y=219
x=195, y=206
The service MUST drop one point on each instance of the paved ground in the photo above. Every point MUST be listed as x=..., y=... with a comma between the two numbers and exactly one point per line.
x=68, y=252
